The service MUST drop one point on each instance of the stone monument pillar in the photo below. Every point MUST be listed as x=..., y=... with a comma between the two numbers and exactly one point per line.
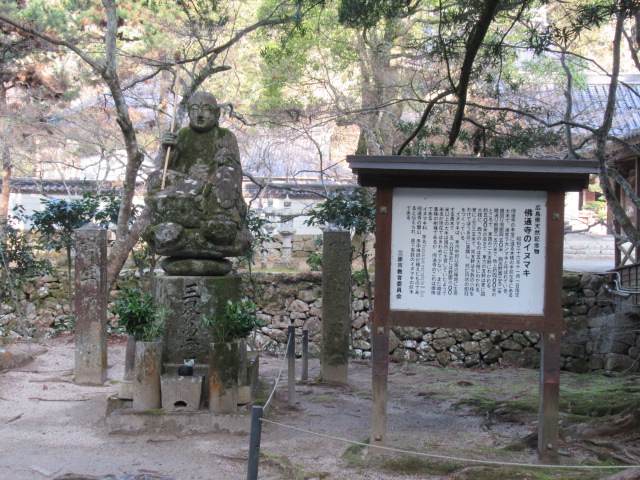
x=336, y=304
x=91, y=294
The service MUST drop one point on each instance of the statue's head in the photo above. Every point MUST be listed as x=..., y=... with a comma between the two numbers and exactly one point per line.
x=204, y=112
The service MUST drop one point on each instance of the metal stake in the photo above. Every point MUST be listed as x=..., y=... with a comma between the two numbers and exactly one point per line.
x=254, y=443
x=291, y=353
x=305, y=354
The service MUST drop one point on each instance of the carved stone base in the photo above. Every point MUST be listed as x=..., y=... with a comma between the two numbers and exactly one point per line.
x=211, y=267
x=188, y=299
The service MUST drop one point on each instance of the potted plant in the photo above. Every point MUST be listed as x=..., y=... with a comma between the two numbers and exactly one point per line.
x=227, y=357
x=143, y=321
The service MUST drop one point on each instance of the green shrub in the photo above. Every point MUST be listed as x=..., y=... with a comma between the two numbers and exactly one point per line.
x=18, y=259
x=237, y=322
x=139, y=314
x=315, y=261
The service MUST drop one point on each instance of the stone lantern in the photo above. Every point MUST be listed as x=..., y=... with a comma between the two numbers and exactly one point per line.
x=286, y=231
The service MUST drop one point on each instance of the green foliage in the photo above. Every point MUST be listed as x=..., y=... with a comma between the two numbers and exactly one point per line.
x=139, y=314
x=367, y=13
x=65, y=324
x=237, y=322
x=599, y=205
x=502, y=137
x=354, y=211
x=296, y=54
x=259, y=236
x=145, y=261
x=520, y=140
x=314, y=260
x=18, y=260
x=359, y=277
x=59, y=218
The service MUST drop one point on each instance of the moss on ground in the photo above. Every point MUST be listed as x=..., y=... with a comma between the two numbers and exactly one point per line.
x=287, y=469
x=582, y=396
x=322, y=398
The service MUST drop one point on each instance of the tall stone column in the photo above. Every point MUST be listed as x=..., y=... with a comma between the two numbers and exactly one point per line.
x=91, y=304
x=336, y=304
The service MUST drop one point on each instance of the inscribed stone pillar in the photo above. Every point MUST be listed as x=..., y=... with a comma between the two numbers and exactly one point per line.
x=188, y=300
x=91, y=304
x=336, y=304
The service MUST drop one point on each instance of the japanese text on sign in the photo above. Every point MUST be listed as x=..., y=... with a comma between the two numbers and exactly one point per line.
x=468, y=250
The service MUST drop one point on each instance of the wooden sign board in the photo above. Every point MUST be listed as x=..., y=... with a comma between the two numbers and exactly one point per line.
x=468, y=250
x=470, y=243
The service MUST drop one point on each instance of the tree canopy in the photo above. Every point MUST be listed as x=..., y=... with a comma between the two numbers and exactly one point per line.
x=470, y=77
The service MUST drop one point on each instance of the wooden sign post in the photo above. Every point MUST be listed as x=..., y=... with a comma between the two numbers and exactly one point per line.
x=476, y=243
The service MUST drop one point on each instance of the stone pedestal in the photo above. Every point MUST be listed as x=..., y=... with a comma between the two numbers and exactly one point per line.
x=146, y=379
x=223, y=377
x=91, y=305
x=126, y=385
x=181, y=393
x=188, y=299
x=336, y=305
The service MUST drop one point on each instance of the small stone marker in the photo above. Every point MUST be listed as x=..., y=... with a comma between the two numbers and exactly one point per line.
x=91, y=305
x=336, y=304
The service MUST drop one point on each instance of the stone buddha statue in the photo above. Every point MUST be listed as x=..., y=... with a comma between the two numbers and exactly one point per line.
x=197, y=220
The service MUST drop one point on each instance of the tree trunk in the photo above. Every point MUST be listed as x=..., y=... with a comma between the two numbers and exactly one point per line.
x=601, y=137
x=6, y=184
x=380, y=79
x=6, y=165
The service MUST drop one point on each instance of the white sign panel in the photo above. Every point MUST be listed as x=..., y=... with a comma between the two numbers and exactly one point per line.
x=468, y=250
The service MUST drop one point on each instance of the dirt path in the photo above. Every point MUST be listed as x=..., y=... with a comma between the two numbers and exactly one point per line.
x=51, y=427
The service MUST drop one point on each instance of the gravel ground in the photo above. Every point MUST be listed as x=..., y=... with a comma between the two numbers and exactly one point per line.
x=52, y=427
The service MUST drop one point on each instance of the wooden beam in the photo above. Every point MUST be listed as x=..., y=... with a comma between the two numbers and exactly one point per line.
x=380, y=333
x=552, y=332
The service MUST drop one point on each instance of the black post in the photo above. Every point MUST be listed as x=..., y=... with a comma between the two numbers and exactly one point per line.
x=305, y=354
x=254, y=443
x=291, y=353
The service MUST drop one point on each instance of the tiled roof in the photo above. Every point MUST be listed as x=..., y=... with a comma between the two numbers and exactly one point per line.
x=591, y=102
x=61, y=187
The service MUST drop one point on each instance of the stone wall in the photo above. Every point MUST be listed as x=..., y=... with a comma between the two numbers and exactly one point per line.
x=601, y=330
x=42, y=304
x=301, y=247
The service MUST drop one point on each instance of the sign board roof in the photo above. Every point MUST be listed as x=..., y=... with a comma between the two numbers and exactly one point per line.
x=472, y=172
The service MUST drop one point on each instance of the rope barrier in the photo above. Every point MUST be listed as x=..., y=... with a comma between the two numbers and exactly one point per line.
x=458, y=459
x=275, y=385
x=264, y=420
